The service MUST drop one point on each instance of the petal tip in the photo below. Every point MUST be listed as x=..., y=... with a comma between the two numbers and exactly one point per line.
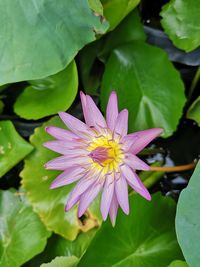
x=67, y=208
x=126, y=211
x=54, y=185
x=80, y=212
x=82, y=94
x=148, y=197
x=113, y=93
x=47, y=129
x=61, y=114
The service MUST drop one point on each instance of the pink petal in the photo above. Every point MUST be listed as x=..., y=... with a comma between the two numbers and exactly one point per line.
x=121, y=126
x=87, y=197
x=79, y=189
x=135, y=163
x=64, y=162
x=144, y=138
x=135, y=182
x=96, y=116
x=113, y=209
x=121, y=190
x=127, y=141
x=86, y=113
x=63, y=147
x=60, y=133
x=67, y=177
x=107, y=195
x=112, y=111
x=75, y=125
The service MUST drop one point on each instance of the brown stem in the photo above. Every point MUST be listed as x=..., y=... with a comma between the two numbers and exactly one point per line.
x=174, y=168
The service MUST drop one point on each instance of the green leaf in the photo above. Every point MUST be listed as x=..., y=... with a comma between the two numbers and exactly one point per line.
x=178, y=264
x=13, y=148
x=115, y=10
x=48, y=203
x=144, y=238
x=181, y=22
x=58, y=246
x=188, y=220
x=130, y=29
x=22, y=233
x=43, y=37
x=70, y=261
x=193, y=112
x=90, y=68
x=96, y=6
x=147, y=85
x=48, y=96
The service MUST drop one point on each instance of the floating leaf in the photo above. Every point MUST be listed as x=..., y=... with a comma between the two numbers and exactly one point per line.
x=21, y=231
x=188, y=219
x=96, y=6
x=70, y=261
x=13, y=148
x=115, y=10
x=43, y=36
x=130, y=29
x=48, y=96
x=178, y=264
x=181, y=22
x=147, y=85
x=48, y=203
x=144, y=238
x=58, y=246
x=194, y=111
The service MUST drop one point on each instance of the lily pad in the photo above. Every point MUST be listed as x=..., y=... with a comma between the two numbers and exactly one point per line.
x=115, y=10
x=49, y=203
x=48, y=96
x=181, y=22
x=129, y=30
x=144, y=238
x=96, y=6
x=188, y=220
x=43, y=37
x=70, y=261
x=13, y=148
x=137, y=72
x=194, y=111
x=178, y=264
x=22, y=233
x=59, y=246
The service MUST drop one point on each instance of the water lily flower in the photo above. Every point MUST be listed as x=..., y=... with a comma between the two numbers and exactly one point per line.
x=100, y=155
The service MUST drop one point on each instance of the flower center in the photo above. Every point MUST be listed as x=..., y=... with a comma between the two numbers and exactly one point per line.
x=105, y=152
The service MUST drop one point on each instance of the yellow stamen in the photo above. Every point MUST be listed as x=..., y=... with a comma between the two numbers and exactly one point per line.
x=112, y=153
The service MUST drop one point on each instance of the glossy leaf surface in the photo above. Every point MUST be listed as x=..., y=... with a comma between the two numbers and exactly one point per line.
x=144, y=238
x=115, y=10
x=18, y=222
x=178, y=264
x=188, y=220
x=13, y=148
x=147, y=85
x=40, y=38
x=48, y=96
x=194, y=111
x=70, y=261
x=181, y=22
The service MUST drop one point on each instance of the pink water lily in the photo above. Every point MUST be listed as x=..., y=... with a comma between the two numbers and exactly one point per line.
x=101, y=156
